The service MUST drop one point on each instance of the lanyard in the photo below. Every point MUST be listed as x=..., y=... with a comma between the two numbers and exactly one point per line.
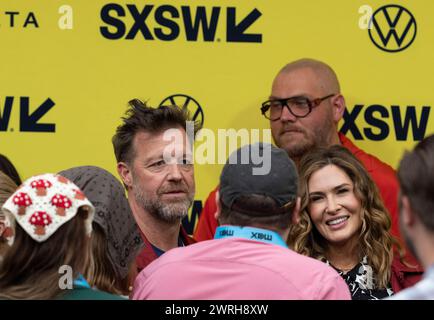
x=255, y=234
x=81, y=282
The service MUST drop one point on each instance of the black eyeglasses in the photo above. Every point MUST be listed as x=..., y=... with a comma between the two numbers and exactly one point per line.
x=299, y=106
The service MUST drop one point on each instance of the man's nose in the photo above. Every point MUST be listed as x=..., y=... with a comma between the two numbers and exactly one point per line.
x=174, y=172
x=287, y=115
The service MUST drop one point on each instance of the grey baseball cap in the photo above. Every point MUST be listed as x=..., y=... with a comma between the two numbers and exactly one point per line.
x=240, y=174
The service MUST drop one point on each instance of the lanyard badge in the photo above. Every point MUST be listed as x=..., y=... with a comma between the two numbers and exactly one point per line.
x=250, y=233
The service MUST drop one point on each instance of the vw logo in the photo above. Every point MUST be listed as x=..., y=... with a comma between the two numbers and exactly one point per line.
x=186, y=103
x=392, y=28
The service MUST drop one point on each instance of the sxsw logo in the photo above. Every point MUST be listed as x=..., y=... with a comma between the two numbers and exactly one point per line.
x=29, y=121
x=407, y=124
x=392, y=28
x=168, y=23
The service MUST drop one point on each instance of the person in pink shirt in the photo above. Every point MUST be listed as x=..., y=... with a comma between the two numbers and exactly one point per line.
x=248, y=257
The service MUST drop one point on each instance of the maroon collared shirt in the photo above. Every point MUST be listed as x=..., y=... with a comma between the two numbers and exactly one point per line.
x=147, y=255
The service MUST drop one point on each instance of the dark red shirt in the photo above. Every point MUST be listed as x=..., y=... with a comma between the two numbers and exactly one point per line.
x=147, y=255
x=403, y=276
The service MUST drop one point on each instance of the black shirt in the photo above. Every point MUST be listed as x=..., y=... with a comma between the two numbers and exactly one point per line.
x=361, y=282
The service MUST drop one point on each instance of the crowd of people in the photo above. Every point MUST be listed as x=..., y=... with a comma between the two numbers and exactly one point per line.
x=328, y=221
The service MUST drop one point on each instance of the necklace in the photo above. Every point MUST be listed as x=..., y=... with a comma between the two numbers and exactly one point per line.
x=344, y=269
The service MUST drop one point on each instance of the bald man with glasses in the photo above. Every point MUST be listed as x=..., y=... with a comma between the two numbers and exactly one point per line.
x=304, y=109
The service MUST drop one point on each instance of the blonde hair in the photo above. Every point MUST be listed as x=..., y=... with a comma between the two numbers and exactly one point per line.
x=376, y=242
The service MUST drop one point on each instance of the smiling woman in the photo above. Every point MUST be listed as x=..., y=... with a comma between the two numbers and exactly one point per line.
x=334, y=209
x=344, y=223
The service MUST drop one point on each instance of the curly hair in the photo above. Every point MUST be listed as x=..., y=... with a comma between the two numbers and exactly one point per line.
x=375, y=239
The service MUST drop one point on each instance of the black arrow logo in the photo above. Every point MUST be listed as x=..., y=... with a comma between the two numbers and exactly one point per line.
x=29, y=122
x=235, y=32
x=4, y=119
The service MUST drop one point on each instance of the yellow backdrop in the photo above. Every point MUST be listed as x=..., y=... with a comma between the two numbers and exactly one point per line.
x=68, y=69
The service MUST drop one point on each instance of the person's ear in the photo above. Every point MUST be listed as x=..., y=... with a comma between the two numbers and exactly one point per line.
x=408, y=217
x=296, y=212
x=217, y=203
x=125, y=174
x=339, y=106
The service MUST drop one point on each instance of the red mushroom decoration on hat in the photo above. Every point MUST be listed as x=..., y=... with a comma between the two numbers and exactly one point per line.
x=40, y=219
x=22, y=200
x=62, y=179
x=79, y=195
x=61, y=203
x=41, y=186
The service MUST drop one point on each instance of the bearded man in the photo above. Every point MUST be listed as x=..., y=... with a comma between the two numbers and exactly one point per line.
x=154, y=163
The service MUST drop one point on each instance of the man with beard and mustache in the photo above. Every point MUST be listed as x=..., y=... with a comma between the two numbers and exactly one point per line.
x=304, y=109
x=158, y=174
x=416, y=202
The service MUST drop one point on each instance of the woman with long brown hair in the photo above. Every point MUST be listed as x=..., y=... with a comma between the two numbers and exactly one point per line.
x=50, y=247
x=344, y=223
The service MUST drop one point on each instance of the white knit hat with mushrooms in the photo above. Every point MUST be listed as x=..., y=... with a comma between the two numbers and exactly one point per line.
x=44, y=203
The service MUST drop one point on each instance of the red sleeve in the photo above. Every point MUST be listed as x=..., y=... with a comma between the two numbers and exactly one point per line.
x=403, y=276
x=207, y=222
